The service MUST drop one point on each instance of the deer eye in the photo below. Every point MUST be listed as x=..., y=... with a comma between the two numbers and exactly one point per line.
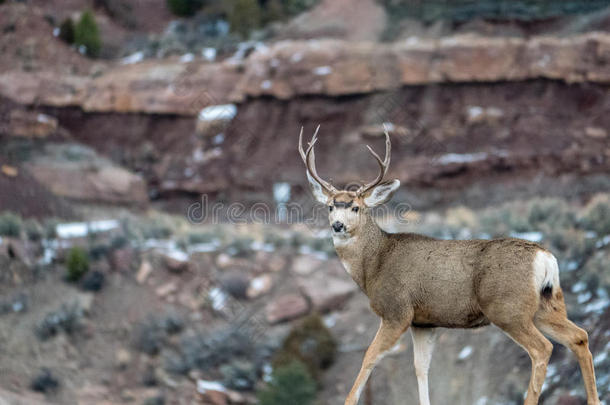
x=330, y=207
x=355, y=209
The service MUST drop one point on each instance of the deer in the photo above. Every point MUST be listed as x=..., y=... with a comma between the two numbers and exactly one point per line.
x=421, y=283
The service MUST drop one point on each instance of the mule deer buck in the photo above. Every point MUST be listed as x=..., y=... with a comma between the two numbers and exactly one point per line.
x=414, y=281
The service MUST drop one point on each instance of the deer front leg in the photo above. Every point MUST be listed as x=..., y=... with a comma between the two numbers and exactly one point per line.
x=423, y=345
x=386, y=337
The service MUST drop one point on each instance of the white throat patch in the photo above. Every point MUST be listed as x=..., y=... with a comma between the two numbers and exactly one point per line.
x=343, y=240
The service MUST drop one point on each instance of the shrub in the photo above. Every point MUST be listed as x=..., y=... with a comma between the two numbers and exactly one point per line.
x=274, y=11
x=244, y=16
x=550, y=213
x=50, y=228
x=501, y=221
x=66, y=319
x=290, y=384
x=10, y=224
x=119, y=10
x=33, y=230
x=311, y=343
x=239, y=374
x=66, y=31
x=596, y=215
x=195, y=238
x=241, y=246
x=93, y=281
x=152, y=334
x=77, y=264
x=158, y=400
x=294, y=7
x=210, y=350
x=87, y=34
x=184, y=8
x=571, y=246
x=44, y=381
x=156, y=228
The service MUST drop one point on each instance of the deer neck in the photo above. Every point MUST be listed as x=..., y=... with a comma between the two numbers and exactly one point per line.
x=359, y=253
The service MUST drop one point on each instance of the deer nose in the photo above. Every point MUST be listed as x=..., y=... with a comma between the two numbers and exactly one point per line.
x=337, y=226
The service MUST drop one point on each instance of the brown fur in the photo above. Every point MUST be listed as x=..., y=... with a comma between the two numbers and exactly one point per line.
x=417, y=281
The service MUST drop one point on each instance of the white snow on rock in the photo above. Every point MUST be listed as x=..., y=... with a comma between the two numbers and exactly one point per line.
x=218, y=298
x=209, y=54
x=187, y=57
x=203, y=386
x=224, y=112
x=81, y=229
x=322, y=70
x=133, y=58
x=465, y=353
x=450, y=158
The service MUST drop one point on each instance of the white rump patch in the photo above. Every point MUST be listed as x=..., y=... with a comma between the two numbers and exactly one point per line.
x=546, y=270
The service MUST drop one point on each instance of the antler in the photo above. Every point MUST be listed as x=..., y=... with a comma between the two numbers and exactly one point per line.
x=383, y=165
x=309, y=158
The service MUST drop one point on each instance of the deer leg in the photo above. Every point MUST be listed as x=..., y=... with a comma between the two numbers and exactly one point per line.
x=553, y=322
x=539, y=349
x=386, y=337
x=423, y=345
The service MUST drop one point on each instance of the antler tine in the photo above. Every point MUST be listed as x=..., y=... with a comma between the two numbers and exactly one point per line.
x=301, y=151
x=309, y=158
x=383, y=164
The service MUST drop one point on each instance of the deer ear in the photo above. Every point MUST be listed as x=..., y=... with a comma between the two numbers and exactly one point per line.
x=381, y=193
x=316, y=188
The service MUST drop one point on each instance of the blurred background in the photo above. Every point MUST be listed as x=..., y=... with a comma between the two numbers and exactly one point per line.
x=158, y=241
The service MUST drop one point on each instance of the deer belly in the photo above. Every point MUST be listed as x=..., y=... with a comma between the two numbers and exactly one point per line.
x=464, y=317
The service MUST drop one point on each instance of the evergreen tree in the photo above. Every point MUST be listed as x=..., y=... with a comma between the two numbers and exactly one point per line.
x=87, y=34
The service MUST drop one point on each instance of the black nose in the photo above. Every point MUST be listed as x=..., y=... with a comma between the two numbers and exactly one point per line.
x=337, y=226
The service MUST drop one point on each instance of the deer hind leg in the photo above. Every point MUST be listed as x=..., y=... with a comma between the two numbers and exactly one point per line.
x=423, y=346
x=552, y=320
x=539, y=349
x=386, y=337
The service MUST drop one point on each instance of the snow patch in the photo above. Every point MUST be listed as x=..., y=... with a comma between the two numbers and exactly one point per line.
x=465, y=353
x=81, y=229
x=462, y=158
x=187, y=57
x=322, y=70
x=203, y=386
x=218, y=298
x=133, y=58
x=209, y=54
x=224, y=112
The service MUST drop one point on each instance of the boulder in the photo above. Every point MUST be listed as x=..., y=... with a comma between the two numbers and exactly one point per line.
x=286, y=307
x=326, y=293
x=31, y=124
x=305, y=264
x=143, y=272
x=77, y=172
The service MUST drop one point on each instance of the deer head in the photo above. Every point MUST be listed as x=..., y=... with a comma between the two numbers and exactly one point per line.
x=346, y=208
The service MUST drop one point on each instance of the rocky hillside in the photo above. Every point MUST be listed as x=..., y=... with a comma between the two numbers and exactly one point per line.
x=463, y=111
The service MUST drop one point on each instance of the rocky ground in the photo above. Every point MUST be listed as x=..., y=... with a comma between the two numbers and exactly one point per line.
x=160, y=293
